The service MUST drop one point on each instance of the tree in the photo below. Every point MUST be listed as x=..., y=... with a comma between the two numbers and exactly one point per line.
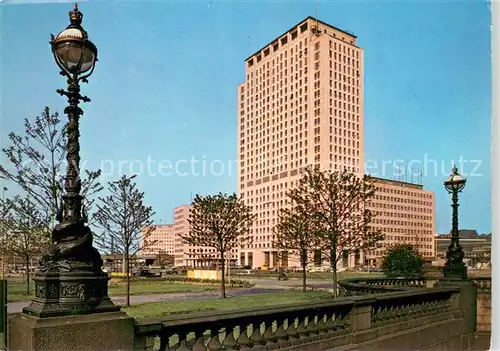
x=338, y=202
x=5, y=209
x=125, y=220
x=403, y=260
x=35, y=163
x=28, y=235
x=221, y=222
x=295, y=233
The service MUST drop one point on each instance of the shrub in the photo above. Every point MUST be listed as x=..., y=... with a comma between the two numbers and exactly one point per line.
x=402, y=260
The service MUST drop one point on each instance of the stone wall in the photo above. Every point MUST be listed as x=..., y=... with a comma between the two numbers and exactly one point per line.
x=483, y=311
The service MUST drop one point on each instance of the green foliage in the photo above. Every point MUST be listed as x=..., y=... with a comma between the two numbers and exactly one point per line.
x=403, y=260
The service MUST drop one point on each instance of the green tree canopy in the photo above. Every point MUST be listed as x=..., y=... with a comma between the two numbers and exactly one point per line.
x=403, y=260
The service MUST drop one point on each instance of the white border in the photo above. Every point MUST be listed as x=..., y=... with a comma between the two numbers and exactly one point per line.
x=495, y=187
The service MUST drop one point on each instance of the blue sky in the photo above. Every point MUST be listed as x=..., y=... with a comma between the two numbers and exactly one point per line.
x=165, y=88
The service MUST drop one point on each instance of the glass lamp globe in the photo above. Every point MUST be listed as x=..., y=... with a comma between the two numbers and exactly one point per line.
x=455, y=182
x=73, y=52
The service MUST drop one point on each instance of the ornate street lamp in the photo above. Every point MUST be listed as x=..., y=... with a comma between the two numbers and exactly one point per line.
x=71, y=280
x=455, y=267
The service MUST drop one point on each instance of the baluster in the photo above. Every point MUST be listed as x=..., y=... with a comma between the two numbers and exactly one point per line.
x=243, y=340
x=256, y=338
x=282, y=335
x=302, y=328
x=311, y=327
x=229, y=342
x=214, y=344
x=270, y=336
x=182, y=344
x=199, y=343
x=293, y=334
x=343, y=323
x=321, y=326
x=331, y=327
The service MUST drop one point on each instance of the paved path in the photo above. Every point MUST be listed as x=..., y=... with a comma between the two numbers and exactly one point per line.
x=292, y=283
x=262, y=285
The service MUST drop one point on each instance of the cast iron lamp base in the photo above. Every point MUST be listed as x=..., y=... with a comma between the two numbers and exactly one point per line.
x=70, y=293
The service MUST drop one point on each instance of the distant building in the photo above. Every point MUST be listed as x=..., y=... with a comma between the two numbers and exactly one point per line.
x=162, y=239
x=405, y=213
x=477, y=248
x=169, y=241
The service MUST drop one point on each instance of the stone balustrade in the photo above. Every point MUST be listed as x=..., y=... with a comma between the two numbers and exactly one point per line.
x=369, y=286
x=315, y=326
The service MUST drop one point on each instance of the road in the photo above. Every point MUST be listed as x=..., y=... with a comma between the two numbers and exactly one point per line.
x=262, y=285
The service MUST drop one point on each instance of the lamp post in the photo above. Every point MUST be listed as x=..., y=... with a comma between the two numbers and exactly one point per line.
x=4, y=232
x=71, y=280
x=455, y=267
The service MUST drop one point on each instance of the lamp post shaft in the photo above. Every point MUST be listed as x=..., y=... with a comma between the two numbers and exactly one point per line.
x=72, y=200
x=454, y=218
x=455, y=267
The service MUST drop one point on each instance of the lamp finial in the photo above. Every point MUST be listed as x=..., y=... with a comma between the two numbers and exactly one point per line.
x=75, y=16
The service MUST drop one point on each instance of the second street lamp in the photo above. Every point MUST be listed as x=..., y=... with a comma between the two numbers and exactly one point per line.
x=455, y=267
x=71, y=280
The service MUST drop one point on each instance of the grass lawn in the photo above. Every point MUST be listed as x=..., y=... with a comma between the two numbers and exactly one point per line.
x=158, y=309
x=17, y=288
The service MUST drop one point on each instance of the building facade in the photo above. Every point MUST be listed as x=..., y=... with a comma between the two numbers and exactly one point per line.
x=162, y=240
x=301, y=104
x=405, y=213
x=477, y=248
x=169, y=240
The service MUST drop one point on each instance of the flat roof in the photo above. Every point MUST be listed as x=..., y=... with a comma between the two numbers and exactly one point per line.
x=295, y=26
x=396, y=181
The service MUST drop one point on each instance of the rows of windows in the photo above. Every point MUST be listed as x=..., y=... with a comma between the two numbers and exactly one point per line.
x=270, y=142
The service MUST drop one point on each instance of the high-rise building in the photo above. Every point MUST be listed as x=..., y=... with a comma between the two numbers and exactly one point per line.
x=301, y=104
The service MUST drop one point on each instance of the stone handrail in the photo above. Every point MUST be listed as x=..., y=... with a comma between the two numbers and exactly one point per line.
x=284, y=327
x=370, y=286
x=366, y=286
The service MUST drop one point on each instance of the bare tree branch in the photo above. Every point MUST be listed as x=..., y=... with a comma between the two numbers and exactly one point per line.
x=124, y=219
x=338, y=203
x=36, y=164
x=221, y=222
x=26, y=234
x=296, y=234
